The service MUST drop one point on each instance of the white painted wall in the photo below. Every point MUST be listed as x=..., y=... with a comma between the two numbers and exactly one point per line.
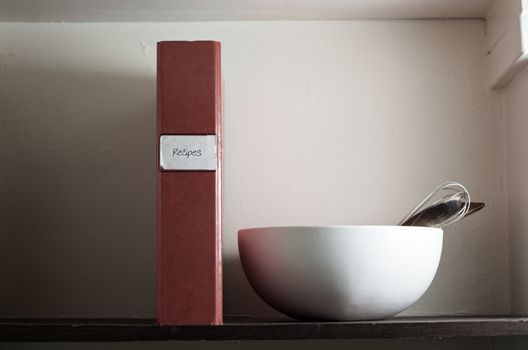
x=348, y=122
x=516, y=114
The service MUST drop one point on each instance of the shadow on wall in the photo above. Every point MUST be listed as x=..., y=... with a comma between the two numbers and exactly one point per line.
x=77, y=208
x=239, y=297
x=77, y=197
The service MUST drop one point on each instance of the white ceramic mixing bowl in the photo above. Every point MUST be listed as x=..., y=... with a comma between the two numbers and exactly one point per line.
x=340, y=273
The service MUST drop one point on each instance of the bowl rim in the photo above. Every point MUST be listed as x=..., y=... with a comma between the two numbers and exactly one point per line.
x=397, y=227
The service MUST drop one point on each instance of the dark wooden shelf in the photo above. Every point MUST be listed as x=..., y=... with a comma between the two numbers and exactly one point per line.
x=20, y=330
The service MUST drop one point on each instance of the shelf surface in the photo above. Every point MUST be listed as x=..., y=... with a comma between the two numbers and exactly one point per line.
x=24, y=330
x=232, y=10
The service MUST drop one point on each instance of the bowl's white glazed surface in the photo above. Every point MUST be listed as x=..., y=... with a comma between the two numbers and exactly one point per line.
x=340, y=272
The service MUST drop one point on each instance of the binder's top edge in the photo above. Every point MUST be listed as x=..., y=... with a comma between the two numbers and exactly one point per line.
x=188, y=42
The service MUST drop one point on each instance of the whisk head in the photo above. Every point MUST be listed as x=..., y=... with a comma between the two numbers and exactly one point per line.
x=451, y=194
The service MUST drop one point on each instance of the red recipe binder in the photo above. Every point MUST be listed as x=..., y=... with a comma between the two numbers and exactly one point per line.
x=189, y=134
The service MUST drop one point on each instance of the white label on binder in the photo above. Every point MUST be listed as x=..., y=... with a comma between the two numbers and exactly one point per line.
x=188, y=152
